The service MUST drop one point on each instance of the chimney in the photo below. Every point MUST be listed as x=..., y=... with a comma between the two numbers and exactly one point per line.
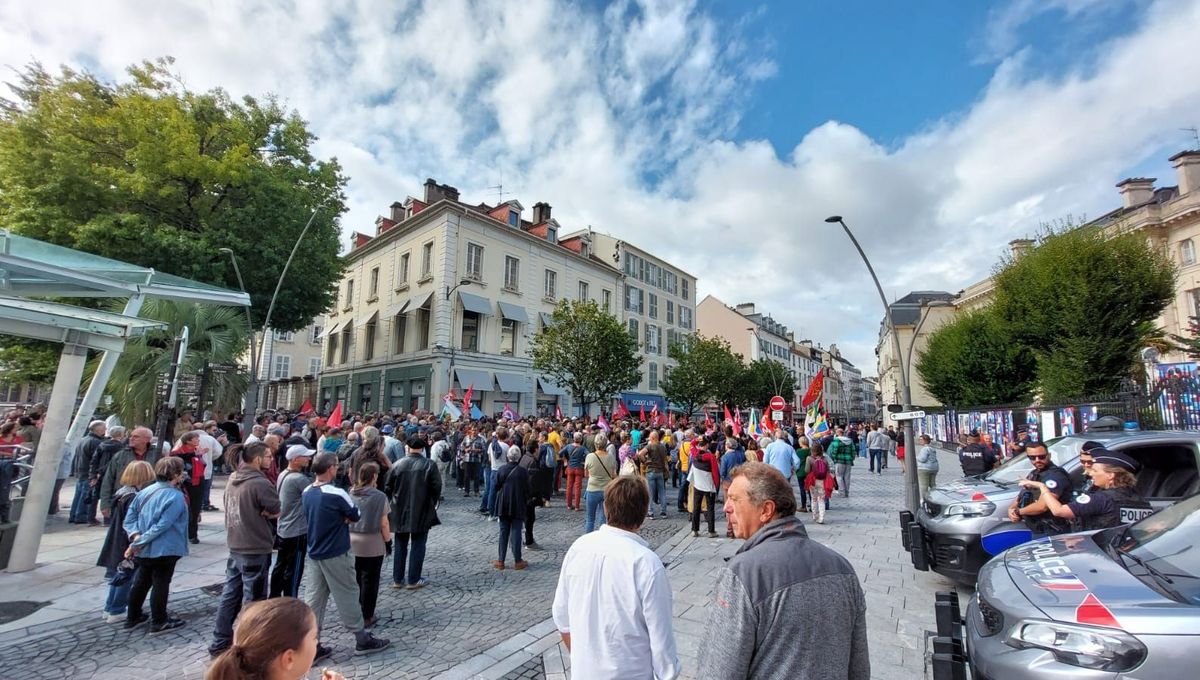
x=435, y=192
x=1187, y=165
x=1136, y=191
x=397, y=212
x=541, y=212
x=1020, y=246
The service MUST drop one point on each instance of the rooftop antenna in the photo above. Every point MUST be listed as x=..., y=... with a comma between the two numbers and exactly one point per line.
x=1195, y=134
x=499, y=189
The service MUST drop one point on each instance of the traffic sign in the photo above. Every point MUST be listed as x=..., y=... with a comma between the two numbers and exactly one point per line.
x=777, y=416
x=778, y=403
x=908, y=415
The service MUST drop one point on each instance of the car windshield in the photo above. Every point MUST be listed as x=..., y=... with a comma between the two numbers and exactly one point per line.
x=1164, y=543
x=1013, y=470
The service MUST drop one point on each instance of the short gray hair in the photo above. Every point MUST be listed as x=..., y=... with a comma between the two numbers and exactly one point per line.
x=116, y=431
x=765, y=483
x=513, y=455
x=601, y=442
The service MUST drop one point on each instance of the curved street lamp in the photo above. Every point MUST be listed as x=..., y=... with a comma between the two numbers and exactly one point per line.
x=912, y=496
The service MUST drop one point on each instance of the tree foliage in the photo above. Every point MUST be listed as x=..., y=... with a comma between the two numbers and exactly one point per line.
x=704, y=367
x=216, y=338
x=1085, y=303
x=973, y=361
x=588, y=351
x=149, y=172
x=31, y=361
x=763, y=379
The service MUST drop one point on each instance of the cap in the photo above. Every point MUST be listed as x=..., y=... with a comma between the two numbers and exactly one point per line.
x=299, y=451
x=1090, y=446
x=1116, y=459
x=387, y=429
x=973, y=433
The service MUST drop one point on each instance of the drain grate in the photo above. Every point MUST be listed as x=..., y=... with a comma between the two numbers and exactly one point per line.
x=18, y=609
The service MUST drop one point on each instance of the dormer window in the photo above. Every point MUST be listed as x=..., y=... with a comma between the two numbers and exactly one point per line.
x=585, y=249
x=551, y=234
x=514, y=218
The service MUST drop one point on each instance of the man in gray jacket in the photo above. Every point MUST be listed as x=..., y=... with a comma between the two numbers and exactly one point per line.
x=787, y=606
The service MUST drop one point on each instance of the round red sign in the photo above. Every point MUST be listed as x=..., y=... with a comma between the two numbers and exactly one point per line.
x=778, y=403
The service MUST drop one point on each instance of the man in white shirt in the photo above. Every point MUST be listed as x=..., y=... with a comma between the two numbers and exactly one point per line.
x=613, y=602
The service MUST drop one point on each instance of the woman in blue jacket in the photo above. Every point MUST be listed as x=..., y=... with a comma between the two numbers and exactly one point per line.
x=157, y=525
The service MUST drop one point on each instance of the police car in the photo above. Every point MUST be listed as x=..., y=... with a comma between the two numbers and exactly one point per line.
x=1122, y=602
x=963, y=524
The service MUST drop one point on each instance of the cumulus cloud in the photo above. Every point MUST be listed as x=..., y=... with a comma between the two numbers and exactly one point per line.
x=626, y=119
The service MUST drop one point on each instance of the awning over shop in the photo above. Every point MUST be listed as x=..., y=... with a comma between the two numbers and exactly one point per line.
x=398, y=308
x=514, y=312
x=550, y=387
x=475, y=303
x=419, y=301
x=547, y=319
x=481, y=379
x=336, y=328
x=514, y=382
x=368, y=319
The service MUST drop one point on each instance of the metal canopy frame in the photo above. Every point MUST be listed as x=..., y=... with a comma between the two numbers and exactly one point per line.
x=61, y=323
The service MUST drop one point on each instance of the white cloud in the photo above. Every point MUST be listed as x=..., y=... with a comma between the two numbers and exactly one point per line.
x=623, y=120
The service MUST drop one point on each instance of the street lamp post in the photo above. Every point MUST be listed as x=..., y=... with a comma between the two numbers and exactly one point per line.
x=774, y=380
x=910, y=460
x=917, y=331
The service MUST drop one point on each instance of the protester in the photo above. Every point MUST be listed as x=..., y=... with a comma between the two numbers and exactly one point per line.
x=513, y=488
x=471, y=453
x=137, y=476
x=251, y=502
x=927, y=466
x=83, y=505
x=803, y=452
x=414, y=486
x=576, y=454
x=781, y=455
x=781, y=592
x=601, y=468
x=818, y=480
x=329, y=511
x=441, y=453
x=654, y=457
x=541, y=481
x=371, y=451
x=156, y=523
x=496, y=451
x=137, y=448
x=292, y=528
x=613, y=604
x=275, y=640
x=685, y=451
x=368, y=538
x=193, y=467
x=842, y=454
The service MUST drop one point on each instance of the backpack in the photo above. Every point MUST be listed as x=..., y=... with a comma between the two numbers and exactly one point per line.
x=497, y=450
x=444, y=450
x=820, y=468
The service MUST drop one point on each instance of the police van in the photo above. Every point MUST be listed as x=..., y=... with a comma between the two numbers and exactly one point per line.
x=963, y=524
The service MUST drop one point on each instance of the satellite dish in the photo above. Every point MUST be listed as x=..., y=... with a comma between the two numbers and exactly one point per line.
x=1150, y=355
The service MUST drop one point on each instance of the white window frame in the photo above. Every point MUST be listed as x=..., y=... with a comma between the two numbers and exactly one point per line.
x=583, y=291
x=512, y=273
x=1187, y=252
x=374, y=284
x=314, y=334
x=402, y=270
x=281, y=368
x=285, y=336
x=473, y=267
x=427, y=260
x=550, y=290
x=606, y=299
x=314, y=366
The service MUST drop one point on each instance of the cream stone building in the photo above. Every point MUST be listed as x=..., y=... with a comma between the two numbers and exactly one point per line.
x=446, y=295
x=1169, y=216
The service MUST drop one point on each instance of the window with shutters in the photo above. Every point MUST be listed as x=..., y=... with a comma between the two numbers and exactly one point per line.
x=606, y=300
x=283, y=367
x=551, y=284
x=399, y=329
x=402, y=271
x=1187, y=252
x=512, y=274
x=583, y=291
x=427, y=260
x=683, y=283
x=633, y=328
x=653, y=306
x=653, y=376
x=314, y=365
x=369, y=340
x=314, y=334
x=474, y=269
x=373, y=285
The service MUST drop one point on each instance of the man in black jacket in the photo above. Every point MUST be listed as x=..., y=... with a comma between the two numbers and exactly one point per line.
x=83, y=506
x=414, y=485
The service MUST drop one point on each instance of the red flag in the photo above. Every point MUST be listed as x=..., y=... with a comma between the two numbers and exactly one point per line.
x=814, y=390
x=557, y=412
x=736, y=421
x=467, y=399
x=509, y=414
x=621, y=411
x=654, y=415
x=728, y=415
x=737, y=416
x=335, y=418
x=307, y=409
x=708, y=423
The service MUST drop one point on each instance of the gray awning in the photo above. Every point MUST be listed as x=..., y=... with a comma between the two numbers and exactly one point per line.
x=547, y=319
x=336, y=328
x=550, y=387
x=419, y=301
x=398, y=308
x=476, y=303
x=515, y=312
x=514, y=382
x=370, y=318
x=482, y=380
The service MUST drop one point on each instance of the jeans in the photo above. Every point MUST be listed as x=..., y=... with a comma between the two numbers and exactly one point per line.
x=246, y=579
x=366, y=572
x=926, y=479
x=289, y=566
x=490, y=476
x=415, y=560
x=841, y=472
x=83, y=510
x=710, y=514
x=468, y=475
x=485, y=498
x=559, y=466
x=444, y=471
x=594, y=500
x=574, y=487
x=118, y=598
x=333, y=576
x=206, y=492
x=803, y=495
x=510, y=534
x=876, y=462
x=658, y=492
x=153, y=576
x=683, y=492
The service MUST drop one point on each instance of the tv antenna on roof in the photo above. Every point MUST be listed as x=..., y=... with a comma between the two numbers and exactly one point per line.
x=1195, y=134
x=499, y=189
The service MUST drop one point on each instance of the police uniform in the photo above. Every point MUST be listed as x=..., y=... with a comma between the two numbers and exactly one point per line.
x=1058, y=483
x=1104, y=508
x=975, y=458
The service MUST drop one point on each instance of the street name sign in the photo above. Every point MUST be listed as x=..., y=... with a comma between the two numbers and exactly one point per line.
x=908, y=415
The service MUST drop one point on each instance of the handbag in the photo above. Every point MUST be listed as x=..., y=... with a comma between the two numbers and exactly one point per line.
x=124, y=572
x=629, y=467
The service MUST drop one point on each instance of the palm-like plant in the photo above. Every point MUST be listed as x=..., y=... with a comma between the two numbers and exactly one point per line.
x=216, y=337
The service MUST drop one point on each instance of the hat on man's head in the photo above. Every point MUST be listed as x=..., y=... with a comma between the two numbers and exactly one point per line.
x=1116, y=459
x=387, y=429
x=1089, y=446
x=299, y=451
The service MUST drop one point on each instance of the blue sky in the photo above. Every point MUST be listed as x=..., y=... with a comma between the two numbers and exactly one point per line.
x=718, y=134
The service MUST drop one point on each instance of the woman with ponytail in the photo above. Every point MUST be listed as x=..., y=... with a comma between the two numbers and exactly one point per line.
x=275, y=639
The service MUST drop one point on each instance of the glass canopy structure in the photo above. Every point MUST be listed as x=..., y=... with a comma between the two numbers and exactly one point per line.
x=30, y=270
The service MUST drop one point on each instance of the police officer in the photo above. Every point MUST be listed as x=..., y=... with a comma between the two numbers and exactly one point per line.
x=975, y=458
x=1086, y=461
x=1031, y=505
x=1112, y=502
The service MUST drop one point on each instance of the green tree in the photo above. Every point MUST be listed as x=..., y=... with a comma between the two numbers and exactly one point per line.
x=974, y=361
x=1085, y=302
x=149, y=172
x=703, y=365
x=216, y=337
x=763, y=379
x=31, y=361
x=588, y=351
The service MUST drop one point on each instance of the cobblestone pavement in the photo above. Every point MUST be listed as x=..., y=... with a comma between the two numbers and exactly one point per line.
x=467, y=608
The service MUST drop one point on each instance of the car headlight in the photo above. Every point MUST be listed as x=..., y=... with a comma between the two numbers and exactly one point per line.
x=972, y=509
x=1106, y=649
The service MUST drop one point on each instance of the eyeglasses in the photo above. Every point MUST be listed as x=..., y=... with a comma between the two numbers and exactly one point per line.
x=1042, y=456
x=1087, y=463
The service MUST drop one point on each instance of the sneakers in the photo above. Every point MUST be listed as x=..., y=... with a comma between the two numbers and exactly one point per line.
x=398, y=586
x=663, y=515
x=369, y=644
x=166, y=626
x=520, y=564
x=113, y=618
x=695, y=534
x=712, y=534
x=131, y=623
x=532, y=546
x=421, y=583
x=323, y=652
